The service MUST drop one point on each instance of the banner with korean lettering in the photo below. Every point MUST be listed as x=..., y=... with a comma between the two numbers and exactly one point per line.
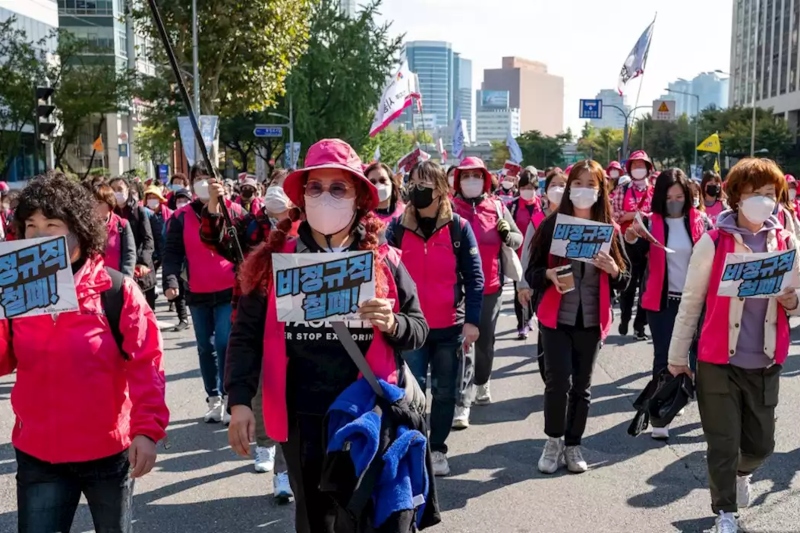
x=580, y=239
x=36, y=278
x=330, y=286
x=759, y=275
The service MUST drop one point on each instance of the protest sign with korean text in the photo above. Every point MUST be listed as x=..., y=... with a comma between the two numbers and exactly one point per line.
x=580, y=239
x=310, y=287
x=758, y=275
x=36, y=278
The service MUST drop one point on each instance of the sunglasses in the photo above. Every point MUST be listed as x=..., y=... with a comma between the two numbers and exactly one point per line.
x=421, y=186
x=337, y=189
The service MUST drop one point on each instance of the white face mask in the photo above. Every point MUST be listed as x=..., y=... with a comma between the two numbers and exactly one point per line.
x=276, y=200
x=757, y=209
x=153, y=204
x=508, y=185
x=583, y=198
x=639, y=173
x=201, y=190
x=555, y=194
x=384, y=191
x=527, y=194
x=792, y=194
x=329, y=215
x=121, y=198
x=614, y=174
x=472, y=187
x=181, y=203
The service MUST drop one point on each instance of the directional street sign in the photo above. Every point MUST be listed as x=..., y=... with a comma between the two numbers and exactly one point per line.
x=591, y=109
x=268, y=130
x=664, y=110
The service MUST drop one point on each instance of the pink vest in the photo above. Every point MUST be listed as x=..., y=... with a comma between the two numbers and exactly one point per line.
x=208, y=271
x=436, y=287
x=380, y=355
x=714, y=211
x=657, y=258
x=483, y=220
x=398, y=210
x=522, y=217
x=113, y=254
x=713, y=346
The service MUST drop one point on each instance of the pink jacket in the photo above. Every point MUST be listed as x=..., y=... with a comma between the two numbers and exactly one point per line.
x=73, y=358
x=523, y=218
x=380, y=355
x=483, y=219
x=113, y=251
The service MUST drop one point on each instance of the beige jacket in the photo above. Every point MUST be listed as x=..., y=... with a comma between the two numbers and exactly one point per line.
x=694, y=298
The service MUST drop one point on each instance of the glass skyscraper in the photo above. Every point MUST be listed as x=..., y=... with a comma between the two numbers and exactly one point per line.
x=434, y=64
x=462, y=91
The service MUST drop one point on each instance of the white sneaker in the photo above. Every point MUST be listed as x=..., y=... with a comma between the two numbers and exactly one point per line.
x=660, y=433
x=726, y=523
x=226, y=417
x=214, y=413
x=681, y=412
x=440, y=465
x=743, y=491
x=461, y=418
x=552, y=455
x=484, y=395
x=574, y=459
x=281, y=488
x=265, y=459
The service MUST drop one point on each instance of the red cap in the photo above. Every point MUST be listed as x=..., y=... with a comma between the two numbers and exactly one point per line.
x=472, y=163
x=638, y=155
x=328, y=153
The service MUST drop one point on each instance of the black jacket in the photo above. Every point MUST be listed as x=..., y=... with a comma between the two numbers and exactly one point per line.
x=139, y=222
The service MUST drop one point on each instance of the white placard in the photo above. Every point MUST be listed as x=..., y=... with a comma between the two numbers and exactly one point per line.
x=759, y=275
x=579, y=239
x=312, y=287
x=36, y=278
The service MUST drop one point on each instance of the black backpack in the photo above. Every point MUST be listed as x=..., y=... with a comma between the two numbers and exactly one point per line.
x=112, y=301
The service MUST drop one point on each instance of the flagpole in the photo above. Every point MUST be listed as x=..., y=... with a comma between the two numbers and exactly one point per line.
x=641, y=81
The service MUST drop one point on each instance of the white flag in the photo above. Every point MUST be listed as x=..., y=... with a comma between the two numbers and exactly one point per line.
x=458, y=135
x=377, y=156
x=513, y=149
x=396, y=97
x=636, y=60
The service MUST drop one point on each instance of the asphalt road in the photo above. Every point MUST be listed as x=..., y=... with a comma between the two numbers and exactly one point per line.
x=199, y=486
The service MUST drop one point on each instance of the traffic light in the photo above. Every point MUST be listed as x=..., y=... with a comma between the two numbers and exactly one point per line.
x=45, y=123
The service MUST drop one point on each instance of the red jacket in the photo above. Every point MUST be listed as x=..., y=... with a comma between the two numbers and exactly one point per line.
x=76, y=398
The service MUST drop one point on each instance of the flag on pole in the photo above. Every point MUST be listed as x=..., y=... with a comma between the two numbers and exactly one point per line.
x=397, y=96
x=442, y=151
x=458, y=135
x=711, y=144
x=716, y=165
x=97, y=145
x=513, y=148
x=377, y=156
x=636, y=60
x=407, y=162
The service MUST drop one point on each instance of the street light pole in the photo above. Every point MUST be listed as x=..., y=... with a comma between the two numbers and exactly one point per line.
x=696, y=119
x=627, y=125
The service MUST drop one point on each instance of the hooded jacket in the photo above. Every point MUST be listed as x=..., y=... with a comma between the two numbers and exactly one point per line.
x=139, y=222
x=111, y=399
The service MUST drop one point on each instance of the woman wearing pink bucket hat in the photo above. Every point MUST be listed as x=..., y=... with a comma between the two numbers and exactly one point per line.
x=303, y=366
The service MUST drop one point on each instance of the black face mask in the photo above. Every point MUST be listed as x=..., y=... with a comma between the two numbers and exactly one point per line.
x=421, y=198
x=712, y=190
x=247, y=193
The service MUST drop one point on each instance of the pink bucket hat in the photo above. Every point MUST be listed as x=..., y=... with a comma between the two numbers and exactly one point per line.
x=328, y=153
x=472, y=163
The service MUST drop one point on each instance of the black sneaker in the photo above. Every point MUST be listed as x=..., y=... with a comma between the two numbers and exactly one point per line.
x=182, y=325
x=641, y=336
x=623, y=329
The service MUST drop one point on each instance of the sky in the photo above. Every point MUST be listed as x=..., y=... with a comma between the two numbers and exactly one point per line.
x=583, y=41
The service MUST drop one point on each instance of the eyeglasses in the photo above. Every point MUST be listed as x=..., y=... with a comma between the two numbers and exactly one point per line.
x=422, y=185
x=337, y=189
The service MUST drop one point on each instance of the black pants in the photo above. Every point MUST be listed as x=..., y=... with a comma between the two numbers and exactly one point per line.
x=569, y=356
x=540, y=353
x=628, y=297
x=737, y=410
x=484, y=346
x=661, y=326
x=48, y=494
x=180, y=302
x=150, y=295
x=523, y=315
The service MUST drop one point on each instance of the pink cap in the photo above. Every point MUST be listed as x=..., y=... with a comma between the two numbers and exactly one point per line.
x=472, y=163
x=250, y=182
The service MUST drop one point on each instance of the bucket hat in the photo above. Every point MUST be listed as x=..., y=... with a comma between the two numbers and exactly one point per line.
x=472, y=163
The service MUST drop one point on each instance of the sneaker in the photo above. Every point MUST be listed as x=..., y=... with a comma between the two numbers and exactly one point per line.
x=440, y=464
x=574, y=459
x=214, y=413
x=726, y=523
x=461, y=418
x=281, y=488
x=265, y=459
x=484, y=395
x=641, y=336
x=660, y=433
x=182, y=325
x=226, y=416
x=623, y=329
x=522, y=334
x=743, y=491
x=552, y=455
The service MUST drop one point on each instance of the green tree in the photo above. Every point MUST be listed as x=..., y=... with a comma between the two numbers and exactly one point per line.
x=394, y=143
x=22, y=65
x=541, y=150
x=154, y=144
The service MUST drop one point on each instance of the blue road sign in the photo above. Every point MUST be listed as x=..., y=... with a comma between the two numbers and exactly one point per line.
x=268, y=131
x=591, y=109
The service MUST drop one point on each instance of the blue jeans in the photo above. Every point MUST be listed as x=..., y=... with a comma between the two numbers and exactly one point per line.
x=208, y=321
x=48, y=494
x=661, y=326
x=440, y=351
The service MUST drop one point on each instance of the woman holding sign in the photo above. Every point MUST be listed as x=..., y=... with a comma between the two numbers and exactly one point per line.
x=574, y=313
x=305, y=365
x=743, y=340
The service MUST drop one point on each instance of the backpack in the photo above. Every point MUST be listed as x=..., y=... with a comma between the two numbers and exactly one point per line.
x=112, y=302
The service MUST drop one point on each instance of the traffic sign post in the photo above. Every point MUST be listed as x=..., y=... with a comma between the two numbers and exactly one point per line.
x=664, y=110
x=268, y=130
x=591, y=109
